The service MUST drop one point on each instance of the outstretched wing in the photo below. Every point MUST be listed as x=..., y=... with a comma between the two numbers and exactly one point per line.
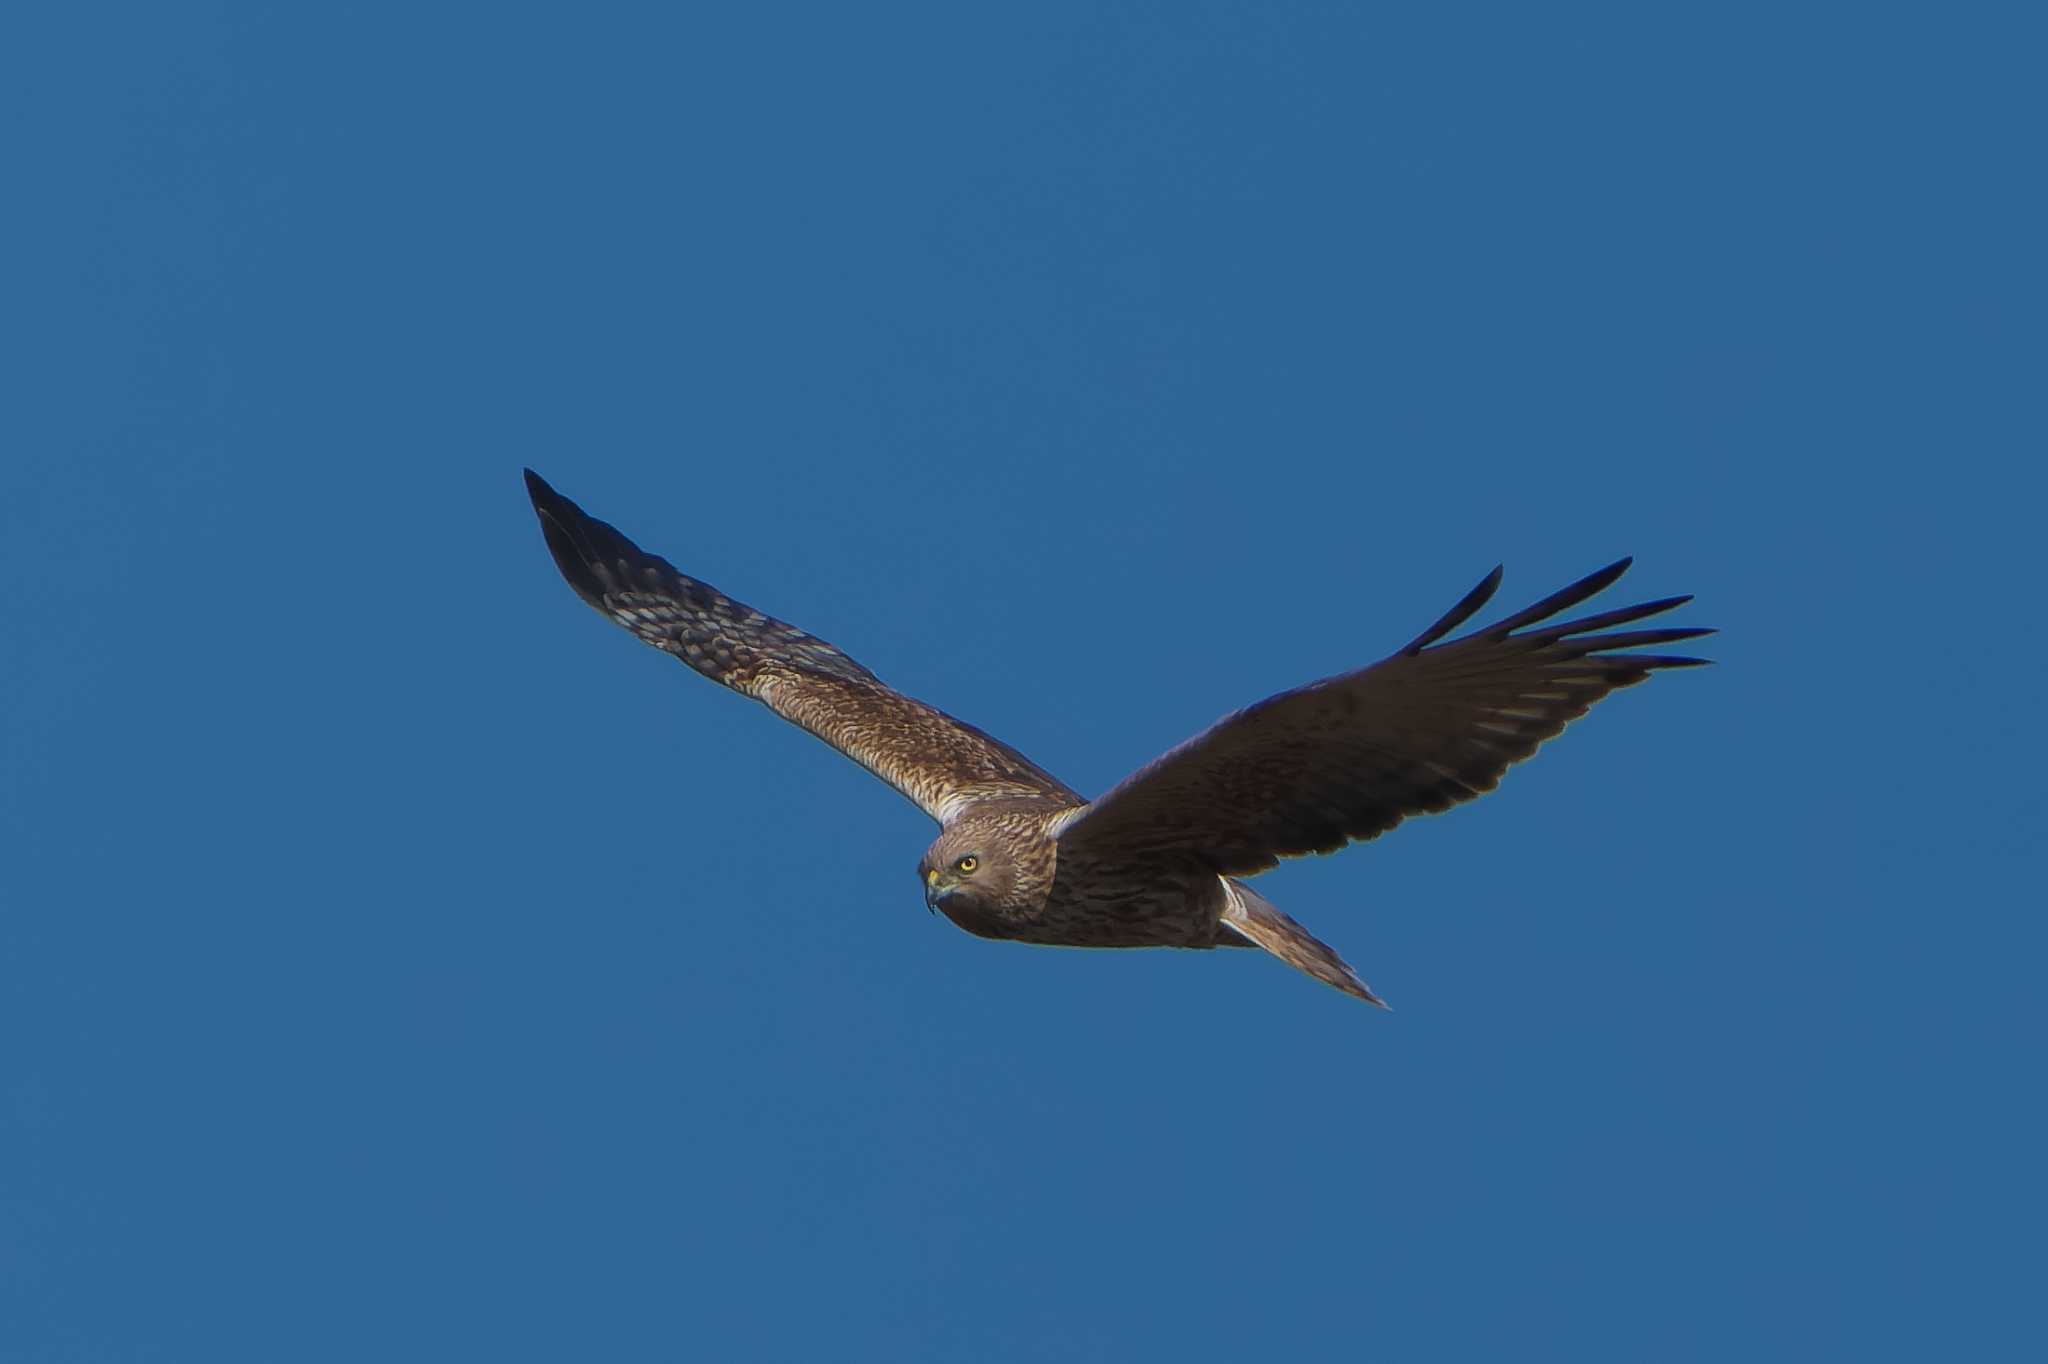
x=940, y=763
x=1352, y=756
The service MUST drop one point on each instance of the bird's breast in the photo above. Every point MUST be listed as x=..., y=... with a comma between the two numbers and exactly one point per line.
x=977, y=918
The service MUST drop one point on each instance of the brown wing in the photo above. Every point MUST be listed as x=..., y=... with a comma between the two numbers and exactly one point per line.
x=1350, y=757
x=942, y=764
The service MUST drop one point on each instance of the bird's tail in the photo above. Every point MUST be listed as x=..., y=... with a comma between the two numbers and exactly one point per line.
x=1252, y=916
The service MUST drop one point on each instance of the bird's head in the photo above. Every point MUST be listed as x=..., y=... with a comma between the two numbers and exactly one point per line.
x=967, y=874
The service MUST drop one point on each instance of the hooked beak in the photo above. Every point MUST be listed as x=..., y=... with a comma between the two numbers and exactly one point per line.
x=934, y=892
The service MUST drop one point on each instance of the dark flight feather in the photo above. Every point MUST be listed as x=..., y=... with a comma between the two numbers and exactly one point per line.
x=1350, y=757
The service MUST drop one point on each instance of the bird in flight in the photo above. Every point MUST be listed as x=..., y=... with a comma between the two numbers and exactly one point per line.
x=1158, y=861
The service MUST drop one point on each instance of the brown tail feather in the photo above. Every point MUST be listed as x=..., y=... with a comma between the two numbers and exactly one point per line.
x=1252, y=916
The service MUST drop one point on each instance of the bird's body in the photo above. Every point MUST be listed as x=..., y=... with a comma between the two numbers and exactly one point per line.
x=1158, y=861
x=1106, y=905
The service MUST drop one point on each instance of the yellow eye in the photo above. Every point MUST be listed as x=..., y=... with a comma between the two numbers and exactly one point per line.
x=967, y=864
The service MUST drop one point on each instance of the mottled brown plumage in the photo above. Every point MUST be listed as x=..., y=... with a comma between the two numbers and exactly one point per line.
x=1153, y=863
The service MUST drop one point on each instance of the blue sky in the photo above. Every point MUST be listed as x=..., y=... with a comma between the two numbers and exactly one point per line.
x=397, y=962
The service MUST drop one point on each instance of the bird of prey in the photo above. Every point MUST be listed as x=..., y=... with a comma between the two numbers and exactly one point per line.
x=1158, y=861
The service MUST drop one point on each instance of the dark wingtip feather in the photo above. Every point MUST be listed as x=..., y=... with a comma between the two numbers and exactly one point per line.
x=1459, y=614
x=547, y=501
x=1591, y=585
x=1635, y=639
x=573, y=539
x=549, y=504
x=1662, y=660
x=593, y=555
x=1619, y=616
